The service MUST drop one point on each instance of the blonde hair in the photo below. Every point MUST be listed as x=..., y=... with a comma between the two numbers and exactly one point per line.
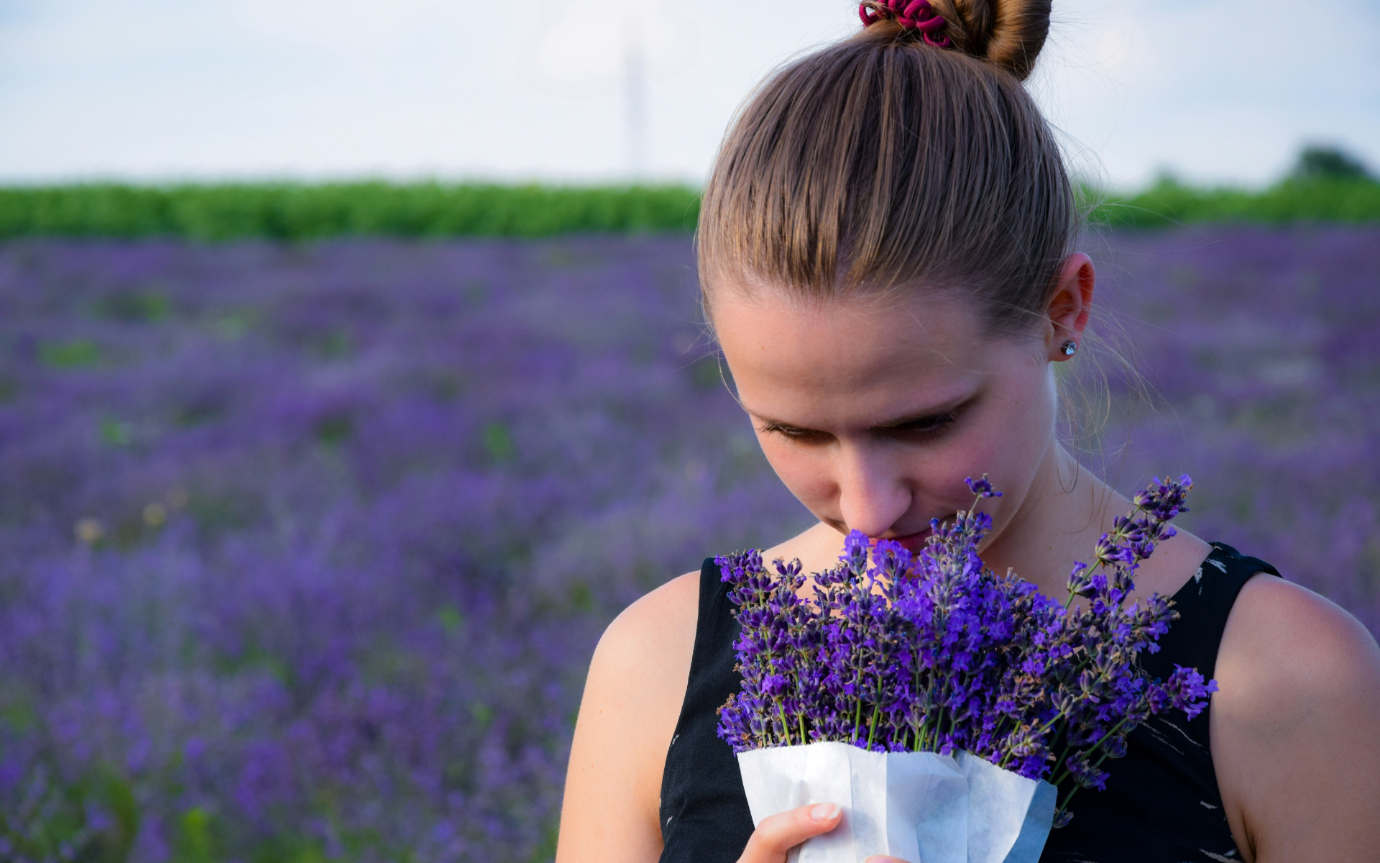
x=882, y=163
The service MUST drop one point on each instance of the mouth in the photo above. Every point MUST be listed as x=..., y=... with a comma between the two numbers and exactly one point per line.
x=914, y=542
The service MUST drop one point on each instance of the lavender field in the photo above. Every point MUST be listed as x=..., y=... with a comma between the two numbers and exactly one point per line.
x=306, y=547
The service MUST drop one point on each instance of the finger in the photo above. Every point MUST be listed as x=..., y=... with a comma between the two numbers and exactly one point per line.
x=785, y=830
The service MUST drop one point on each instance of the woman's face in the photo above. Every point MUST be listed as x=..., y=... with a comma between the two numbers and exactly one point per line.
x=874, y=412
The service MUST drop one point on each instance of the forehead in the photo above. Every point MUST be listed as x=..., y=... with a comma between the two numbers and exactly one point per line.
x=848, y=360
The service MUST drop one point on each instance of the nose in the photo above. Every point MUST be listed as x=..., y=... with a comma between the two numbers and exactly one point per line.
x=873, y=494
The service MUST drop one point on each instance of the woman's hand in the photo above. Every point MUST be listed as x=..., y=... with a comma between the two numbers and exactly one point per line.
x=783, y=831
x=777, y=835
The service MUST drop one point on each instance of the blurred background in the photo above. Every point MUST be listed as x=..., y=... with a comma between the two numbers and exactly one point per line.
x=352, y=377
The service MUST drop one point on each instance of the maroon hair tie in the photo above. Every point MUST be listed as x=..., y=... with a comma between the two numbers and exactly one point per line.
x=910, y=14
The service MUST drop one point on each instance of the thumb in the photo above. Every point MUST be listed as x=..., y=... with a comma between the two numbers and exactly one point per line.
x=785, y=830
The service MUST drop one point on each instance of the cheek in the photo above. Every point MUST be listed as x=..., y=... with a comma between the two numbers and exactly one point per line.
x=938, y=472
x=1008, y=440
x=805, y=471
x=1011, y=440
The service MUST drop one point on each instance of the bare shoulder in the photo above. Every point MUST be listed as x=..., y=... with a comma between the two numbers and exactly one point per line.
x=656, y=631
x=1288, y=642
x=1295, y=726
x=640, y=668
x=628, y=715
x=632, y=701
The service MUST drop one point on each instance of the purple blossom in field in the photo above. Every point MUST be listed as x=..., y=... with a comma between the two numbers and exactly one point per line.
x=309, y=545
x=1261, y=348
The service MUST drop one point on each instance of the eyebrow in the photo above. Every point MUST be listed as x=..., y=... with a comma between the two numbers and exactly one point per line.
x=929, y=413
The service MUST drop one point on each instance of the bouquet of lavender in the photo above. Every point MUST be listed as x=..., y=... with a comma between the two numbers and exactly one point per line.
x=939, y=702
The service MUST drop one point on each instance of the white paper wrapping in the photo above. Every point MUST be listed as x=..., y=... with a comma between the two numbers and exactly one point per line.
x=921, y=807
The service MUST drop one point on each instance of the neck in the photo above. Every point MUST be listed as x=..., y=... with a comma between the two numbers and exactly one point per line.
x=1057, y=522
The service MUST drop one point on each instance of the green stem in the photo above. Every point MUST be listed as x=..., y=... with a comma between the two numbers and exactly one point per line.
x=1100, y=744
x=1064, y=804
x=785, y=723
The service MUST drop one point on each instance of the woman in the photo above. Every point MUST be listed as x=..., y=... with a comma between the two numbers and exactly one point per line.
x=885, y=257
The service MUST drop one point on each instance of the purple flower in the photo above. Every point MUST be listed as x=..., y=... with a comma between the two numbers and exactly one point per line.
x=982, y=487
x=934, y=652
x=415, y=480
x=1185, y=690
x=1164, y=500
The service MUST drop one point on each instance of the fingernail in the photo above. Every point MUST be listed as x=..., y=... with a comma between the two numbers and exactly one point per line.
x=825, y=812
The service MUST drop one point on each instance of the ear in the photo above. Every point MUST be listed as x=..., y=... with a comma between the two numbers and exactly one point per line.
x=1069, y=305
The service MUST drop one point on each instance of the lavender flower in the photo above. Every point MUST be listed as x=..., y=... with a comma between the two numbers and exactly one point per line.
x=317, y=540
x=404, y=485
x=981, y=487
x=933, y=652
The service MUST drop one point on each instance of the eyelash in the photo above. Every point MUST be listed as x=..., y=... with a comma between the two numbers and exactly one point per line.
x=933, y=427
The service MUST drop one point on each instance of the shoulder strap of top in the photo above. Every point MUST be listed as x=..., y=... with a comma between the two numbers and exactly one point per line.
x=1204, y=603
x=704, y=813
x=716, y=630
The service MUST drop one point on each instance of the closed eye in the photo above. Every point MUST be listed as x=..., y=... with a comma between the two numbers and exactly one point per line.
x=919, y=427
x=924, y=426
x=792, y=432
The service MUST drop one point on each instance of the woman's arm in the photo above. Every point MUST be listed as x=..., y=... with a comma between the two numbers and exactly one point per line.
x=631, y=704
x=1295, y=728
x=632, y=701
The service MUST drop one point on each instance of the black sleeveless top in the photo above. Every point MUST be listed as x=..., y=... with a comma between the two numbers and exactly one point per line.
x=1161, y=804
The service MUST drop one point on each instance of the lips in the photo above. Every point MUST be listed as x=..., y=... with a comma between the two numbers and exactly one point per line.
x=915, y=542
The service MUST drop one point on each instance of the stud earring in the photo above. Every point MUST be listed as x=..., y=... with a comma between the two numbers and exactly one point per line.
x=1070, y=348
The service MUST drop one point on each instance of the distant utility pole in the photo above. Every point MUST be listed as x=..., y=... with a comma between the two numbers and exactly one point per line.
x=635, y=94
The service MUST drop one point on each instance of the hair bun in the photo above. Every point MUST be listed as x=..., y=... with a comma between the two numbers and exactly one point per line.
x=1006, y=33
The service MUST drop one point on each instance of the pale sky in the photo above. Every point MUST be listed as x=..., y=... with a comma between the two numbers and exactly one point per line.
x=1215, y=91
